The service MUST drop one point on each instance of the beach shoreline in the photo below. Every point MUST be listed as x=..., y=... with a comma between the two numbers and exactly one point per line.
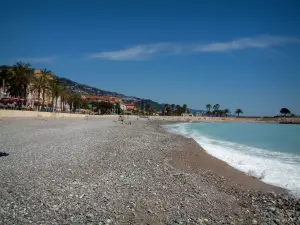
x=192, y=157
x=109, y=172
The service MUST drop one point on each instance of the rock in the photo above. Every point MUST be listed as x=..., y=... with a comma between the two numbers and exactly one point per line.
x=254, y=221
x=178, y=221
x=277, y=221
x=272, y=209
x=90, y=215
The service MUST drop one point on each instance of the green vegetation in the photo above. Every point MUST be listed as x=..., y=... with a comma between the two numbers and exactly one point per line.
x=208, y=107
x=285, y=111
x=118, y=108
x=174, y=110
x=219, y=112
x=238, y=112
x=20, y=78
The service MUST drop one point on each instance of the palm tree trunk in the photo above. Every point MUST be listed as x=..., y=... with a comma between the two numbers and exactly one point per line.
x=43, y=100
x=25, y=92
x=56, y=102
x=39, y=94
x=52, y=102
x=61, y=103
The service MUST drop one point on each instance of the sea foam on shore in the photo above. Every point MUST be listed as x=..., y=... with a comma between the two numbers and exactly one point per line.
x=277, y=168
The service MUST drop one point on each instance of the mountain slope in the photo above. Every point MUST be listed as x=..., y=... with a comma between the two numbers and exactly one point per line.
x=85, y=89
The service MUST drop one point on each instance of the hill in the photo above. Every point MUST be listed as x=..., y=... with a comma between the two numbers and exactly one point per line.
x=88, y=90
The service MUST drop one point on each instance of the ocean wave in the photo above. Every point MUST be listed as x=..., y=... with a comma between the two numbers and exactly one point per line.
x=276, y=168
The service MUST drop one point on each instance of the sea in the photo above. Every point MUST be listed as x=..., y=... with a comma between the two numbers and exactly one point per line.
x=270, y=152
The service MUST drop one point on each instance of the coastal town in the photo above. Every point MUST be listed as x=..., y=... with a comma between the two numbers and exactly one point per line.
x=41, y=90
x=150, y=113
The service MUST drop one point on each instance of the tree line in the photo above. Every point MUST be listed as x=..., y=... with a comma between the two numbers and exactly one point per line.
x=20, y=79
x=174, y=110
x=216, y=111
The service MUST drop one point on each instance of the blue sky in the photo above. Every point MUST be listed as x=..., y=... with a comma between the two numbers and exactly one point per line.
x=242, y=54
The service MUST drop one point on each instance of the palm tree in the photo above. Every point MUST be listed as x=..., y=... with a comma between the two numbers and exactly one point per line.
x=63, y=97
x=56, y=89
x=226, y=112
x=216, y=107
x=184, y=108
x=18, y=79
x=37, y=84
x=69, y=99
x=173, y=107
x=208, y=107
x=178, y=110
x=165, y=108
x=5, y=72
x=238, y=111
x=46, y=76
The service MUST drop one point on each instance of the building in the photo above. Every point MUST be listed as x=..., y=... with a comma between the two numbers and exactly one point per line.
x=94, y=98
x=109, y=99
x=33, y=99
x=129, y=108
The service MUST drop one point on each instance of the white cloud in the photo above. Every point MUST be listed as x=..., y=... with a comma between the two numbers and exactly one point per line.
x=39, y=59
x=140, y=52
x=243, y=43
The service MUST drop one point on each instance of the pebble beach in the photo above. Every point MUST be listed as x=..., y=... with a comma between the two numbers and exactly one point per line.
x=102, y=171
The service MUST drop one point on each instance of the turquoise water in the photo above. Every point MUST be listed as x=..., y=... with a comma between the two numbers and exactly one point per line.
x=268, y=151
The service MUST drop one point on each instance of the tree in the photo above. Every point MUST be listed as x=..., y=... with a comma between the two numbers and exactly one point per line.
x=165, y=108
x=173, y=107
x=216, y=107
x=118, y=108
x=208, y=107
x=78, y=102
x=45, y=77
x=238, y=112
x=178, y=110
x=226, y=112
x=184, y=108
x=285, y=111
x=5, y=72
x=63, y=97
x=69, y=99
x=18, y=78
x=56, y=90
x=103, y=107
x=37, y=85
x=169, y=111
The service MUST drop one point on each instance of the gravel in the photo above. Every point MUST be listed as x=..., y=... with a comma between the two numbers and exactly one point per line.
x=98, y=171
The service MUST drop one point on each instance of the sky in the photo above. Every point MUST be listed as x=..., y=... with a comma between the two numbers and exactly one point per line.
x=239, y=54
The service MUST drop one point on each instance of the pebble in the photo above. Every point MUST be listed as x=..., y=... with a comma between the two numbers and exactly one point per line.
x=254, y=221
x=110, y=173
x=89, y=215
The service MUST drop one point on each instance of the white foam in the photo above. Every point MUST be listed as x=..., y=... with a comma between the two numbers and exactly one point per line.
x=280, y=169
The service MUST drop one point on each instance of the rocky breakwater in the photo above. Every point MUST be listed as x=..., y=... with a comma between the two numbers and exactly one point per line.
x=289, y=120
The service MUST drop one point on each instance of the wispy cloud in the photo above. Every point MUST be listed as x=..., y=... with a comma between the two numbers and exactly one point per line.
x=243, y=43
x=47, y=59
x=140, y=52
